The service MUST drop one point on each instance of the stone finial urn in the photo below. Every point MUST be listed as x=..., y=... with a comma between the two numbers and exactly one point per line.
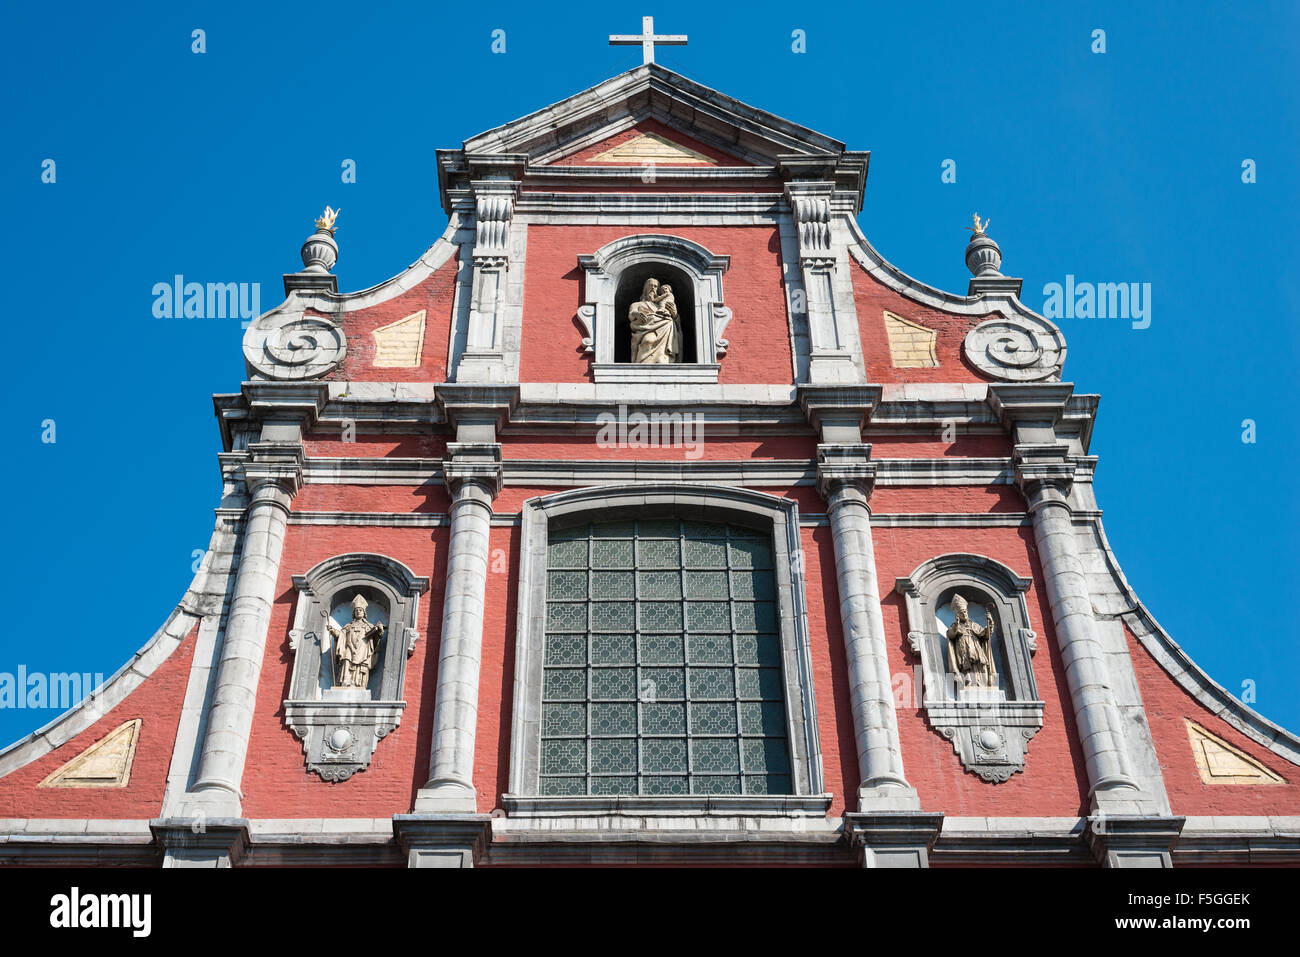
x=320, y=252
x=983, y=255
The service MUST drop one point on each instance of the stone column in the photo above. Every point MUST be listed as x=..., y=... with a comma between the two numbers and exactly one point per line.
x=273, y=476
x=473, y=476
x=1045, y=474
x=845, y=477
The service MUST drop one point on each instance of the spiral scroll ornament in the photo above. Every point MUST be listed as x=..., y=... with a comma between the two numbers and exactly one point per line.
x=294, y=346
x=1016, y=349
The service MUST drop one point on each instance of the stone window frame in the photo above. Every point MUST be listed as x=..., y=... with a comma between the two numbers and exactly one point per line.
x=605, y=267
x=664, y=500
x=315, y=718
x=989, y=736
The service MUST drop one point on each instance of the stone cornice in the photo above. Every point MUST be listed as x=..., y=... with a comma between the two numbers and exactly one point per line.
x=285, y=401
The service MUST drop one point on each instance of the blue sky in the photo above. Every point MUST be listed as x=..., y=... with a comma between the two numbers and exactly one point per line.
x=1123, y=166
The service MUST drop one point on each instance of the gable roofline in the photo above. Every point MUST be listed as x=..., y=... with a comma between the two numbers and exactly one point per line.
x=539, y=129
x=769, y=144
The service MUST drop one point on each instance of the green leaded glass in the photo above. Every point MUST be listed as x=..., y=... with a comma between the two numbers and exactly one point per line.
x=662, y=662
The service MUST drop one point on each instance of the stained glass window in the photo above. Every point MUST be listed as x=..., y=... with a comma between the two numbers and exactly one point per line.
x=662, y=662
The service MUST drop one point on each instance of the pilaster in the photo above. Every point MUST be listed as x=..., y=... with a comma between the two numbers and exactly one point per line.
x=494, y=195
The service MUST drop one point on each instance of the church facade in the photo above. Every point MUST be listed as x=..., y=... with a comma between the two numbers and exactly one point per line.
x=652, y=517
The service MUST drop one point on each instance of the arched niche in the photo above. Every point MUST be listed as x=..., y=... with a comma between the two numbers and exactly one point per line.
x=989, y=727
x=614, y=277
x=341, y=727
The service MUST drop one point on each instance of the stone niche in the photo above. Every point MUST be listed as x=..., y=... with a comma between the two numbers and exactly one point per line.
x=989, y=725
x=340, y=727
x=615, y=274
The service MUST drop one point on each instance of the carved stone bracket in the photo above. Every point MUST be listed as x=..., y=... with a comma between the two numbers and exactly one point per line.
x=990, y=738
x=339, y=737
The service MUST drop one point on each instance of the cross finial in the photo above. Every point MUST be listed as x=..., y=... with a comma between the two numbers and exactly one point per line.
x=647, y=39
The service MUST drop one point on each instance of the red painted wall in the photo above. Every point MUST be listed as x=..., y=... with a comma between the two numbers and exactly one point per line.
x=1167, y=705
x=158, y=703
x=276, y=782
x=435, y=295
x=1054, y=782
x=873, y=299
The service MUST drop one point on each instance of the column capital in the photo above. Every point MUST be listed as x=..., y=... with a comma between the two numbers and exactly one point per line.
x=1044, y=474
x=478, y=463
x=840, y=465
x=1030, y=411
x=274, y=463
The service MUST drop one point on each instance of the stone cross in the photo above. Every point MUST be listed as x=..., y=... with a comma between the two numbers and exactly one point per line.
x=647, y=39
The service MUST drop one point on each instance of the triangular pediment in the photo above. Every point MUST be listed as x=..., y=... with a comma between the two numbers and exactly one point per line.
x=1220, y=763
x=685, y=118
x=105, y=764
x=649, y=142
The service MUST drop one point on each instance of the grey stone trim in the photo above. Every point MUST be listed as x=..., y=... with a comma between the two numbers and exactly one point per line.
x=806, y=519
x=650, y=210
x=1119, y=602
x=718, y=834
x=974, y=841
x=443, y=840
x=701, y=809
x=890, y=472
x=1219, y=841
x=202, y=602
x=674, y=373
x=650, y=90
x=681, y=500
x=1132, y=840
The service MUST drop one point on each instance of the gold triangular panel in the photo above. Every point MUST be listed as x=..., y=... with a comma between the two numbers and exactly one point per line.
x=105, y=764
x=651, y=148
x=399, y=344
x=911, y=345
x=1221, y=763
